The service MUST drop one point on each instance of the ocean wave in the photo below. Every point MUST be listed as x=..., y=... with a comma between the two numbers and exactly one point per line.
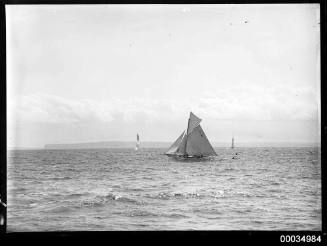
x=187, y=195
x=148, y=178
x=101, y=200
x=16, y=189
x=166, y=195
x=244, y=210
x=211, y=211
x=243, y=194
x=274, y=190
x=76, y=195
x=274, y=183
x=134, y=189
x=61, y=178
x=174, y=216
x=121, y=198
x=143, y=213
x=92, y=203
x=60, y=209
x=34, y=204
x=229, y=169
x=218, y=194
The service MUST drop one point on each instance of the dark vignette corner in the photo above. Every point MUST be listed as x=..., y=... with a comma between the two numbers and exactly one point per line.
x=3, y=127
x=323, y=88
x=3, y=118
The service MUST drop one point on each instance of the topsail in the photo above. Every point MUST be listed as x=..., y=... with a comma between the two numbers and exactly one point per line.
x=193, y=122
x=193, y=142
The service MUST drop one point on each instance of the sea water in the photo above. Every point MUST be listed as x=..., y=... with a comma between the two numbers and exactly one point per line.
x=124, y=189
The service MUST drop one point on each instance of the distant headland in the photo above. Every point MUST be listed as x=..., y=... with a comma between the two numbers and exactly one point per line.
x=107, y=144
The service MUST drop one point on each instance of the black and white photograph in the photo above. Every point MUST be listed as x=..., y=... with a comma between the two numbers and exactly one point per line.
x=163, y=117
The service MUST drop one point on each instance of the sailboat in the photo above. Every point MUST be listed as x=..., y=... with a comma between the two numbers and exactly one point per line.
x=232, y=143
x=192, y=143
x=137, y=146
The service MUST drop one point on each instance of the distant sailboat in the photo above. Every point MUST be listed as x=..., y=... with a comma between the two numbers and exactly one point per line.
x=137, y=142
x=193, y=142
x=233, y=143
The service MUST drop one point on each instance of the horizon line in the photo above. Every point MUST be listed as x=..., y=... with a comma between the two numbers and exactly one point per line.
x=249, y=143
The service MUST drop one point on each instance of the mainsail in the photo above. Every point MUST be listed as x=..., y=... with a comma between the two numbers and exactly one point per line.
x=193, y=142
x=232, y=143
x=137, y=142
x=198, y=143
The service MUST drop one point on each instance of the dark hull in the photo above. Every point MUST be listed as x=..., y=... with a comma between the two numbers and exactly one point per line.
x=190, y=158
x=186, y=156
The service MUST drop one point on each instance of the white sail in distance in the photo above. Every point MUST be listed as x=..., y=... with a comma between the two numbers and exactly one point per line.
x=137, y=146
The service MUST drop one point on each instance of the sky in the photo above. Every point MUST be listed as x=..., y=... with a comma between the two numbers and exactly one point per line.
x=84, y=73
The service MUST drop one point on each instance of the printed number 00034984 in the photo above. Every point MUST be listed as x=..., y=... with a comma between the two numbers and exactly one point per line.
x=298, y=238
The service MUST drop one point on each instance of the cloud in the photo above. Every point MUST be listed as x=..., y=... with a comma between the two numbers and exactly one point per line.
x=244, y=102
x=53, y=109
x=37, y=119
x=43, y=108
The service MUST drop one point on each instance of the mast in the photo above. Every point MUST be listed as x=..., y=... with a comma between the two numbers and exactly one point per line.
x=188, y=124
